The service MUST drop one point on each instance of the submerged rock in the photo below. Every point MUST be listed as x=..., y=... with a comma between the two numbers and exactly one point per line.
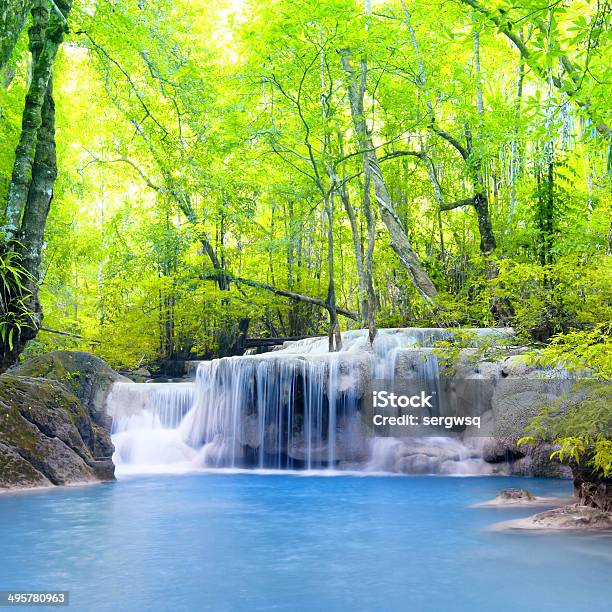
x=514, y=495
x=523, y=498
x=573, y=517
x=426, y=456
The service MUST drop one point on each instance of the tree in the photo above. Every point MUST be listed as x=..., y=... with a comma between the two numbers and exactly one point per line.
x=290, y=172
x=34, y=173
x=572, y=81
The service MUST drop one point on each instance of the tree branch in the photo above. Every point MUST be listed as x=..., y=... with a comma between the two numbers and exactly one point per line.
x=458, y=204
x=505, y=28
x=291, y=295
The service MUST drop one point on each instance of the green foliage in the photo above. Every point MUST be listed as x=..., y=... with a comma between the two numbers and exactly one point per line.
x=185, y=129
x=466, y=346
x=15, y=309
x=580, y=351
x=572, y=292
x=580, y=423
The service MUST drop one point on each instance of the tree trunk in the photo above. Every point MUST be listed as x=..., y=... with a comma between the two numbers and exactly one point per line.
x=479, y=200
x=40, y=194
x=292, y=295
x=221, y=276
x=487, y=238
x=46, y=34
x=335, y=338
x=515, y=160
x=473, y=162
x=399, y=240
x=369, y=256
x=355, y=234
x=31, y=189
x=13, y=14
x=44, y=173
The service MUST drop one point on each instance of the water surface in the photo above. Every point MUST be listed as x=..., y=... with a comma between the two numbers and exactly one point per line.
x=287, y=542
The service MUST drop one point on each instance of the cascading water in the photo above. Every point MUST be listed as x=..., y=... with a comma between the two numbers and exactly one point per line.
x=294, y=408
x=147, y=420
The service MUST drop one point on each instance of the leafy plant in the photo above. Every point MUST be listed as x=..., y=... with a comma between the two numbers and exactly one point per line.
x=15, y=312
x=580, y=424
x=578, y=351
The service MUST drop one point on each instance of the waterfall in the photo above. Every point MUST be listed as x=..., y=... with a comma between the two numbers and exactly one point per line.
x=299, y=407
x=146, y=423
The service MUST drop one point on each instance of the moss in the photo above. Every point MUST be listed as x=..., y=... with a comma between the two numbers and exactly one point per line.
x=86, y=376
x=52, y=420
x=16, y=471
x=46, y=432
x=58, y=365
x=12, y=395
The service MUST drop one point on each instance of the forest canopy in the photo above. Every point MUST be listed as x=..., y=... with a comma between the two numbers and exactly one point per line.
x=178, y=174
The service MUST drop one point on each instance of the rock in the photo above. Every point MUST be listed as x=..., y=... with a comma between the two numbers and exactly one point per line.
x=17, y=472
x=525, y=460
x=592, y=489
x=47, y=436
x=140, y=375
x=506, y=393
x=496, y=450
x=572, y=517
x=537, y=462
x=514, y=495
x=523, y=498
x=417, y=464
x=249, y=432
x=520, y=394
x=517, y=400
x=427, y=456
x=515, y=366
x=88, y=377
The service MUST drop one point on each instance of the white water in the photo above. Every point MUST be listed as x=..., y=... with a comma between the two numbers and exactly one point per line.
x=293, y=408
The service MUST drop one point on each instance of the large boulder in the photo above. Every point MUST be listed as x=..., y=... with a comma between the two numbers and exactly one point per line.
x=86, y=376
x=521, y=391
x=48, y=437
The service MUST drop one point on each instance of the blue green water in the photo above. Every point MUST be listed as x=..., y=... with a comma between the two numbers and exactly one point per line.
x=285, y=542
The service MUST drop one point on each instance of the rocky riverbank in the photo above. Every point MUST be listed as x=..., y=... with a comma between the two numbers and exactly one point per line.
x=53, y=426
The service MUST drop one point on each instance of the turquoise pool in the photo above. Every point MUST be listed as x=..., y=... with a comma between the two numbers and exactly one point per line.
x=292, y=542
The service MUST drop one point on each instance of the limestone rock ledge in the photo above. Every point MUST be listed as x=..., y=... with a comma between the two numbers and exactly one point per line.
x=574, y=517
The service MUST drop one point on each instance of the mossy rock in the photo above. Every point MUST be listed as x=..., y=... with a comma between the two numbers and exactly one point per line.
x=17, y=472
x=88, y=377
x=47, y=436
